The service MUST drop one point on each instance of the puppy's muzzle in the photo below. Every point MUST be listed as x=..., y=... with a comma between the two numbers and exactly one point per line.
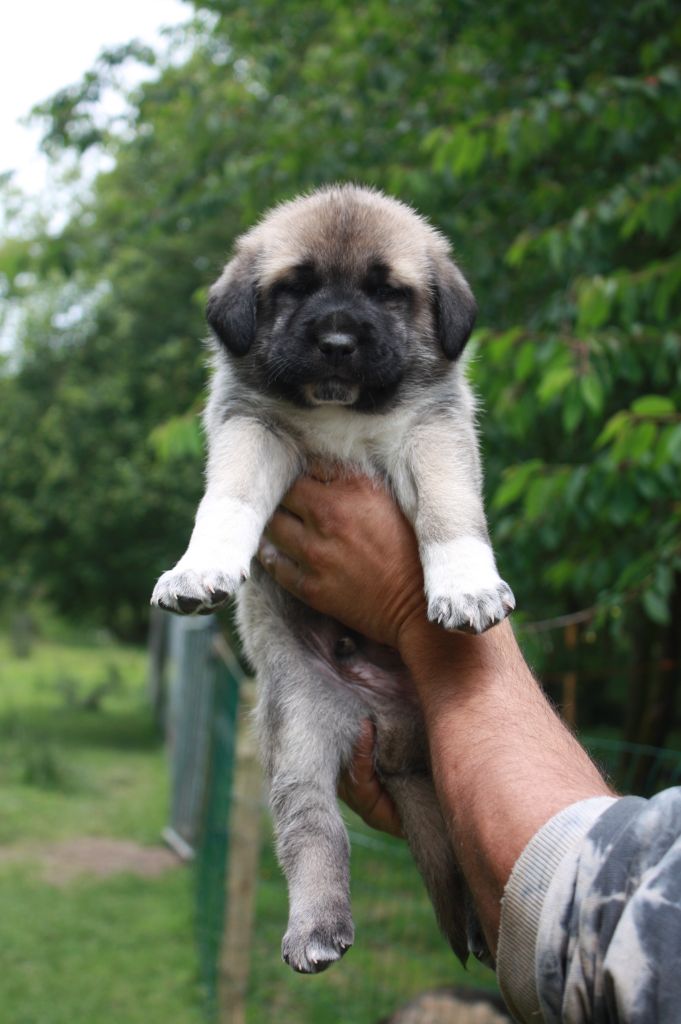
x=336, y=335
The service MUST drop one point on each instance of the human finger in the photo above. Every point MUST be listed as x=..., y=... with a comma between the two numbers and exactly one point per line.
x=283, y=570
x=361, y=789
x=287, y=533
x=305, y=496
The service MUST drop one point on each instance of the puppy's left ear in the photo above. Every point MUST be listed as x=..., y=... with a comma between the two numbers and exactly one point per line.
x=232, y=304
x=455, y=308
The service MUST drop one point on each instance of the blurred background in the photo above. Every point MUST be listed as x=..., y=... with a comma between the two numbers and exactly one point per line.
x=543, y=139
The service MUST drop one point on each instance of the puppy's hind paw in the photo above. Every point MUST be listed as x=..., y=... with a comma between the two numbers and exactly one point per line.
x=311, y=949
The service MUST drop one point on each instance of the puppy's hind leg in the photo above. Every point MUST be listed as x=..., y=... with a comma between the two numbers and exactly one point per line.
x=425, y=831
x=308, y=733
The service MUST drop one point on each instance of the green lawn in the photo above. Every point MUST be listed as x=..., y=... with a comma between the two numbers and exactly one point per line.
x=95, y=951
x=121, y=950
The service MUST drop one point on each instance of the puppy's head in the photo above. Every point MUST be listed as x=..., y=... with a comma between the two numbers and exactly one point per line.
x=342, y=297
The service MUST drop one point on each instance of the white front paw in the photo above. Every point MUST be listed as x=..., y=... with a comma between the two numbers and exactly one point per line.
x=472, y=612
x=463, y=587
x=193, y=590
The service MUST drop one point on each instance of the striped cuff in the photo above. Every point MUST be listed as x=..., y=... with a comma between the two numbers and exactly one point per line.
x=523, y=899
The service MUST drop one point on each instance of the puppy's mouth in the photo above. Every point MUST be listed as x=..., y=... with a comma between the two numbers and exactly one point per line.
x=331, y=391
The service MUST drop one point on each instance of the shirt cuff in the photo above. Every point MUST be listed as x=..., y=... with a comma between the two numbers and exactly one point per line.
x=523, y=898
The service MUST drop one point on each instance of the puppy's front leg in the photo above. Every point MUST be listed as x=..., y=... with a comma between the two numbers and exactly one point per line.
x=463, y=588
x=249, y=470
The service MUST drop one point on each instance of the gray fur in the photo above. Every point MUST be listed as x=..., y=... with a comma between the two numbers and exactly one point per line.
x=339, y=325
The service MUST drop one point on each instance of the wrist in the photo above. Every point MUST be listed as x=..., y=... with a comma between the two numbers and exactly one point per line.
x=453, y=664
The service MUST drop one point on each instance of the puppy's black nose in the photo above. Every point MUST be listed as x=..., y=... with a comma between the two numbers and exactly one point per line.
x=336, y=344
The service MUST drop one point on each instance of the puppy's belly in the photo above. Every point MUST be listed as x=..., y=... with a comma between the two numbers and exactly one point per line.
x=313, y=669
x=373, y=673
x=269, y=618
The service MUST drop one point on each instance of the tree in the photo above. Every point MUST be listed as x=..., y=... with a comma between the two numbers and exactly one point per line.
x=580, y=370
x=540, y=138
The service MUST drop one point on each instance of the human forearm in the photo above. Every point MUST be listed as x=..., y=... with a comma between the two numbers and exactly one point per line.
x=503, y=762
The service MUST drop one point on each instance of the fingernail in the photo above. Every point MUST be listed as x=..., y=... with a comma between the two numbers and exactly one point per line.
x=267, y=553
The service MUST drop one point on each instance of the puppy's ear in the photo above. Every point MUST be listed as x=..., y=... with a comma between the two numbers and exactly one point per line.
x=232, y=304
x=455, y=308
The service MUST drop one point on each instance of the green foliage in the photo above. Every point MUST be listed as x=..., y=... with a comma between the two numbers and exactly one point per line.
x=543, y=140
x=583, y=368
x=177, y=438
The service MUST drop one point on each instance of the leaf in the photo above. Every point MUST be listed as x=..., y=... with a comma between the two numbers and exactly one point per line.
x=518, y=250
x=179, y=437
x=669, y=448
x=641, y=441
x=525, y=360
x=539, y=496
x=615, y=426
x=555, y=381
x=593, y=305
x=656, y=607
x=664, y=579
x=515, y=481
x=501, y=344
x=575, y=485
x=653, y=405
x=591, y=390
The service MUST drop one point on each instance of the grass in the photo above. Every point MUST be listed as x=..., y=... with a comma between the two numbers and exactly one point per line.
x=96, y=951
x=120, y=950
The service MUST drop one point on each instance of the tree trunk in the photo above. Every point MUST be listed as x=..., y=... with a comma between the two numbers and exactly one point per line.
x=659, y=674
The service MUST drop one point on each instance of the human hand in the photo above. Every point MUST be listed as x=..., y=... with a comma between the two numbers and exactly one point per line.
x=341, y=545
x=361, y=789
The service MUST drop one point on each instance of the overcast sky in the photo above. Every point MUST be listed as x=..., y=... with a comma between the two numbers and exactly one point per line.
x=47, y=44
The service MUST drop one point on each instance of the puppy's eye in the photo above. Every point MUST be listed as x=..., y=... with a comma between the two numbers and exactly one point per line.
x=388, y=292
x=300, y=282
x=296, y=289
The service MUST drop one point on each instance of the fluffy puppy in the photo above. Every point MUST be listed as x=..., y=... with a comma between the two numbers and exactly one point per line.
x=338, y=326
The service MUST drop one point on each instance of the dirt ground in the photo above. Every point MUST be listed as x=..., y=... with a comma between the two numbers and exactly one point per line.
x=60, y=862
x=451, y=1006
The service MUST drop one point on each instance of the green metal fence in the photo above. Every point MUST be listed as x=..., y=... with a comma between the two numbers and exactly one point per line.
x=204, y=698
x=633, y=767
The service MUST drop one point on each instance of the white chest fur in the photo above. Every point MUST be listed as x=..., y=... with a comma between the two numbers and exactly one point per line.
x=343, y=434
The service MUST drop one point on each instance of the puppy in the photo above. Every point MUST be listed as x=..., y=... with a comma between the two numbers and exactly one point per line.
x=338, y=326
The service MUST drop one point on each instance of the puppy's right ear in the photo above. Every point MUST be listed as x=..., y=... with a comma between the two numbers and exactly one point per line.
x=232, y=304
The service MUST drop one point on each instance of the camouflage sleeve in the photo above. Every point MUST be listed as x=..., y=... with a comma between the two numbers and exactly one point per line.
x=591, y=916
